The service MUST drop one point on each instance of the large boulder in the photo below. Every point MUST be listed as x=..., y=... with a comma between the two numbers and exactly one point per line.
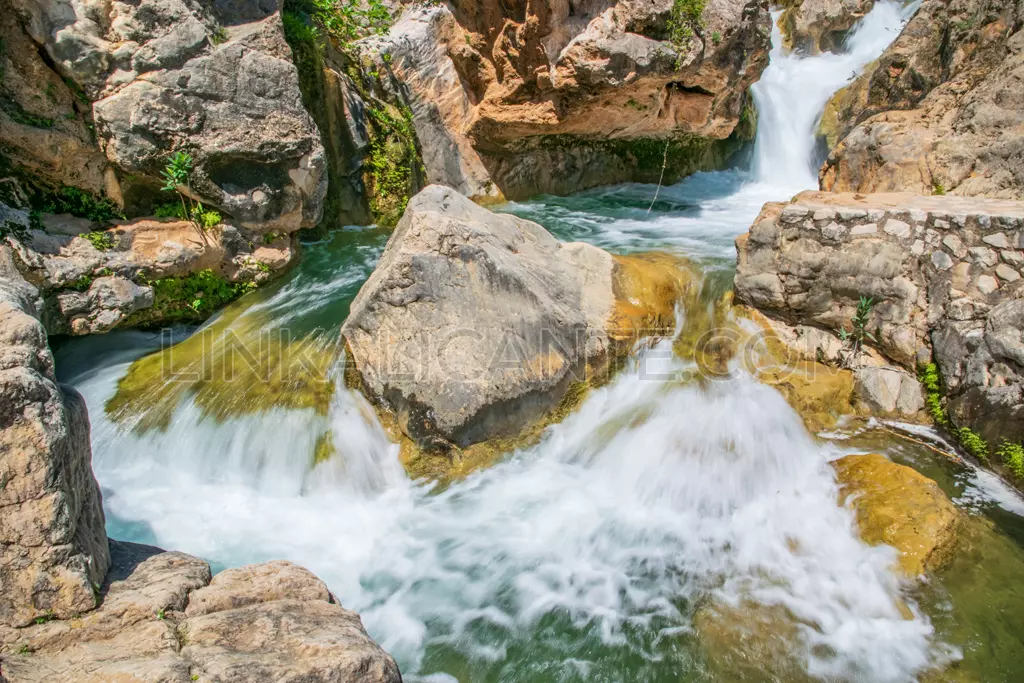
x=476, y=324
x=164, y=75
x=53, y=549
x=900, y=507
x=164, y=619
x=940, y=111
x=814, y=26
x=555, y=98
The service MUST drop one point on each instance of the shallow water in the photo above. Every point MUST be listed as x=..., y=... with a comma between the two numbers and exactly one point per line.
x=588, y=556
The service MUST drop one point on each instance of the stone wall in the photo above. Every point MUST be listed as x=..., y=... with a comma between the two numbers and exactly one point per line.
x=944, y=275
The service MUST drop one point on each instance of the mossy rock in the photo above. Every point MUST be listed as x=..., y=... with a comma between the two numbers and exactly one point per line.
x=900, y=507
x=236, y=366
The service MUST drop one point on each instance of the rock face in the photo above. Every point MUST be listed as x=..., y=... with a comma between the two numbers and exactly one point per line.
x=476, y=324
x=944, y=276
x=814, y=26
x=516, y=100
x=164, y=619
x=898, y=506
x=940, y=111
x=53, y=549
x=162, y=75
x=94, y=280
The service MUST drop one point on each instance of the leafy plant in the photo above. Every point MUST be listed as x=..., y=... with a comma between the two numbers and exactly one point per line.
x=716, y=37
x=49, y=616
x=100, y=239
x=219, y=36
x=973, y=443
x=78, y=203
x=938, y=188
x=858, y=333
x=195, y=296
x=392, y=162
x=178, y=173
x=269, y=237
x=169, y=210
x=24, y=650
x=160, y=614
x=81, y=284
x=928, y=375
x=1012, y=457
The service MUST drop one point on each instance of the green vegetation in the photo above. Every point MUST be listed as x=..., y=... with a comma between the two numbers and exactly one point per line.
x=685, y=20
x=973, y=443
x=160, y=614
x=269, y=237
x=169, y=210
x=78, y=203
x=937, y=188
x=100, y=239
x=178, y=173
x=24, y=650
x=49, y=616
x=856, y=337
x=194, y=297
x=219, y=36
x=344, y=21
x=928, y=375
x=1012, y=457
x=392, y=161
x=716, y=37
x=81, y=284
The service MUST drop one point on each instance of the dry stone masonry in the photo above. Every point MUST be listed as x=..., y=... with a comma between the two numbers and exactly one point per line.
x=944, y=273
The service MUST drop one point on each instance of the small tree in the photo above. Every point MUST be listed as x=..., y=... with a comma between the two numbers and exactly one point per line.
x=856, y=337
x=178, y=173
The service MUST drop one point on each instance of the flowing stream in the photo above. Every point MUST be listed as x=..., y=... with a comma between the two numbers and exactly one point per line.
x=596, y=554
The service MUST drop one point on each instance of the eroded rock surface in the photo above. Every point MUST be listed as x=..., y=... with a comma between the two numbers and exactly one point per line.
x=53, y=549
x=93, y=280
x=898, y=506
x=944, y=275
x=156, y=76
x=163, y=619
x=941, y=111
x=556, y=98
x=475, y=324
x=814, y=26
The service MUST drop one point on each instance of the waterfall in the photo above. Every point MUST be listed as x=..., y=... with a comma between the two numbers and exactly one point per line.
x=794, y=89
x=586, y=556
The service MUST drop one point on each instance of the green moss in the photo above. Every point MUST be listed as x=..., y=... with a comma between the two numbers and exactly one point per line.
x=100, y=239
x=392, y=164
x=219, y=36
x=324, y=448
x=170, y=210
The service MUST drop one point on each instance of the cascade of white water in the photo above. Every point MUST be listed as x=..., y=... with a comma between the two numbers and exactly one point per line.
x=794, y=89
x=590, y=549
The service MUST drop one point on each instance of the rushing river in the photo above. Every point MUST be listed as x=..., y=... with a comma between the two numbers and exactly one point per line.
x=589, y=556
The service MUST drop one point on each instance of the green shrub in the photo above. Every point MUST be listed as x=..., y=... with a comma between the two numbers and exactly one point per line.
x=207, y=218
x=973, y=443
x=392, y=163
x=169, y=210
x=79, y=203
x=195, y=296
x=1012, y=457
x=930, y=379
x=81, y=284
x=685, y=19
x=100, y=239
x=219, y=36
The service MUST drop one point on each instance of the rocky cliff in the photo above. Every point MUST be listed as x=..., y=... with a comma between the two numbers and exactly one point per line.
x=53, y=550
x=941, y=111
x=515, y=99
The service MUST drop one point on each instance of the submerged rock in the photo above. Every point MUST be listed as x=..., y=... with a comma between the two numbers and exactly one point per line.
x=475, y=325
x=898, y=506
x=163, y=619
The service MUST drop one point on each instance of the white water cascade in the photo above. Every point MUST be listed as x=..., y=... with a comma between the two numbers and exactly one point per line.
x=584, y=557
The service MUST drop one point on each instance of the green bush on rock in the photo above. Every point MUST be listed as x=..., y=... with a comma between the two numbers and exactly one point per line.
x=1012, y=457
x=392, y=161
x=189, y=299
